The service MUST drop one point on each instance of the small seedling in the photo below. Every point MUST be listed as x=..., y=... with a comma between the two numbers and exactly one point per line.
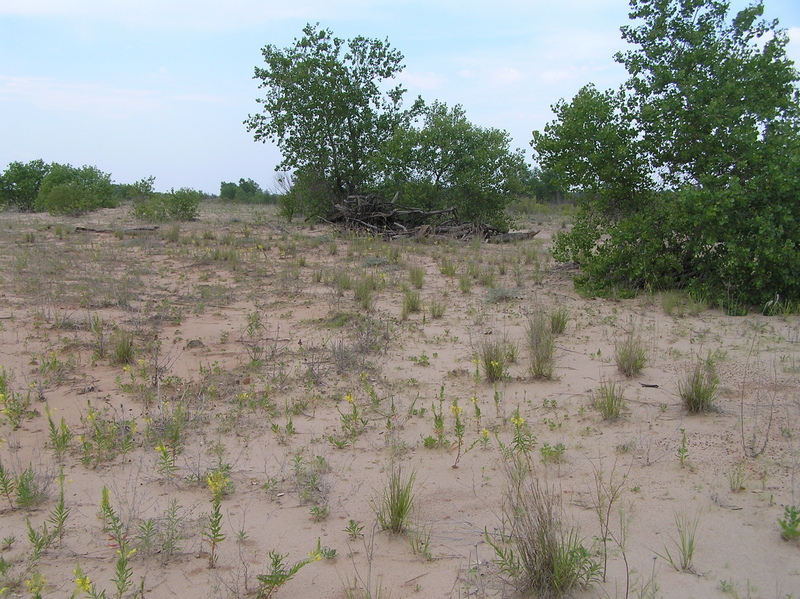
x=790, y=523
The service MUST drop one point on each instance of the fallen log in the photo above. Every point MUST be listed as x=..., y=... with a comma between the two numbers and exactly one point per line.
x=112, y=230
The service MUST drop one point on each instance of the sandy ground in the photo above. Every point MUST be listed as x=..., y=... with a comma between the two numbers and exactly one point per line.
x=248, y=345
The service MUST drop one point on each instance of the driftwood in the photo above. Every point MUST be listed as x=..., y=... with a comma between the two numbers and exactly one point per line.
x=111, y=230
x=378, y=216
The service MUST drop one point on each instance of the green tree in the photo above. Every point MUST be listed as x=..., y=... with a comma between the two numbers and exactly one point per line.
x=66, y=189
x=450, y=162
x=325, y=108
x=19, y=184
x=688, y=176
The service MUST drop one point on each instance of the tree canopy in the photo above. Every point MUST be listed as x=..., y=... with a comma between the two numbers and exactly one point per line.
x=324, y=107
x=689, y=175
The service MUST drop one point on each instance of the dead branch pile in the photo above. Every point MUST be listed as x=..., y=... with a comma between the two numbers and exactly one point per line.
x=378, y=216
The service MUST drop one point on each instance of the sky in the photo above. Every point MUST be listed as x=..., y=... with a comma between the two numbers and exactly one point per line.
x=161, y=88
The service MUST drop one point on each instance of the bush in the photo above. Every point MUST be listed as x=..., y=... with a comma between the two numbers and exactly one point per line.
x=74, y=191
x=20, y=183
x=183, y=204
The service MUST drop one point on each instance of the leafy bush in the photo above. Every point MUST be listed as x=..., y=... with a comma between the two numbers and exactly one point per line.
x=20, y=183
x=181, y=204
x=74, y=191
x=676, y=192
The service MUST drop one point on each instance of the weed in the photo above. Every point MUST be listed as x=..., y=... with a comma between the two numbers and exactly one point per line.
x=683, y=450
x=447, y=267
x=698, y=390
x=31, y=488
x=465, y=283
x=58, y=436
x=609, y=401
x=8, y=484
x=280, y=572
x=354, y=530
x=790, y=523
x=122, y=350
x=541, y=344
x=552, y=454
x=396, y=505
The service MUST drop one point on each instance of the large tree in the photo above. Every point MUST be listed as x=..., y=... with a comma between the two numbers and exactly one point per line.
x=690, y=174
x=326, y=107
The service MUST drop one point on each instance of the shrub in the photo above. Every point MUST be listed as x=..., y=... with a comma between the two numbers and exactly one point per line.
x=181, y=204
x=20, y=183
x=74, y=191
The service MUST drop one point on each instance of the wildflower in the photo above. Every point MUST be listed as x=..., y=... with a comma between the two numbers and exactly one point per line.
x=82, y=582
x=484, y=433
x=517, y=421
x=126, y=368
x=456, y=409
x=473, y=399
x=349, y=398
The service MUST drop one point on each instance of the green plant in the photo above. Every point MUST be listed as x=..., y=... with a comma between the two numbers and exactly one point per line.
x=31, y=488
x=492, y=355
x=683, y=450
x=685, y=544
x=280, y=572
x=737, y=477
x=552, y=454
x=212, y=529
x=74, y=191
x=8, y=484
x=396, y=505
x=465, y=283
x=354, y=529
x=790, y=523
x=181, y=204
x=416, y=274
x=609, y=401
x=14, y=406
x=630, y=353
x=458, y=429
x=538, y=552
x=558, y=320
x=437, y=309
x=541, y=343
x=411, y=304
x=58, y=436
x=122, y=350
x=698, y=390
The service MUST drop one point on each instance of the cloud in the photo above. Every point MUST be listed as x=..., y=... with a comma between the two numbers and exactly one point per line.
x=67, y=96
x=184, y=14
x=505, y=76
x=422, y=81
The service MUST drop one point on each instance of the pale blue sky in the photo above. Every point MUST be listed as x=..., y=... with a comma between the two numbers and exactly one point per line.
x=161, y=87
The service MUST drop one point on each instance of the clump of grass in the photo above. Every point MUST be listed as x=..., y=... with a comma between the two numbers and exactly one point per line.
x=685, y=544
x=465, y=283
x=673, y=303
x=437, y=309
x=492, y=357
x=122, y=350
x=541, y=343
x=609, y=401
x=416, y=274
x=496, y=295
x=540, y=554
x=412, y=303
x=396, y=506
x=631, y=354
x=698, y=390
x=558, y=320
x=447, y=268
x=364, y=293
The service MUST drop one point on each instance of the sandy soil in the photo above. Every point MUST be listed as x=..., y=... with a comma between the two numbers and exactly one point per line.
x=249, y=345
